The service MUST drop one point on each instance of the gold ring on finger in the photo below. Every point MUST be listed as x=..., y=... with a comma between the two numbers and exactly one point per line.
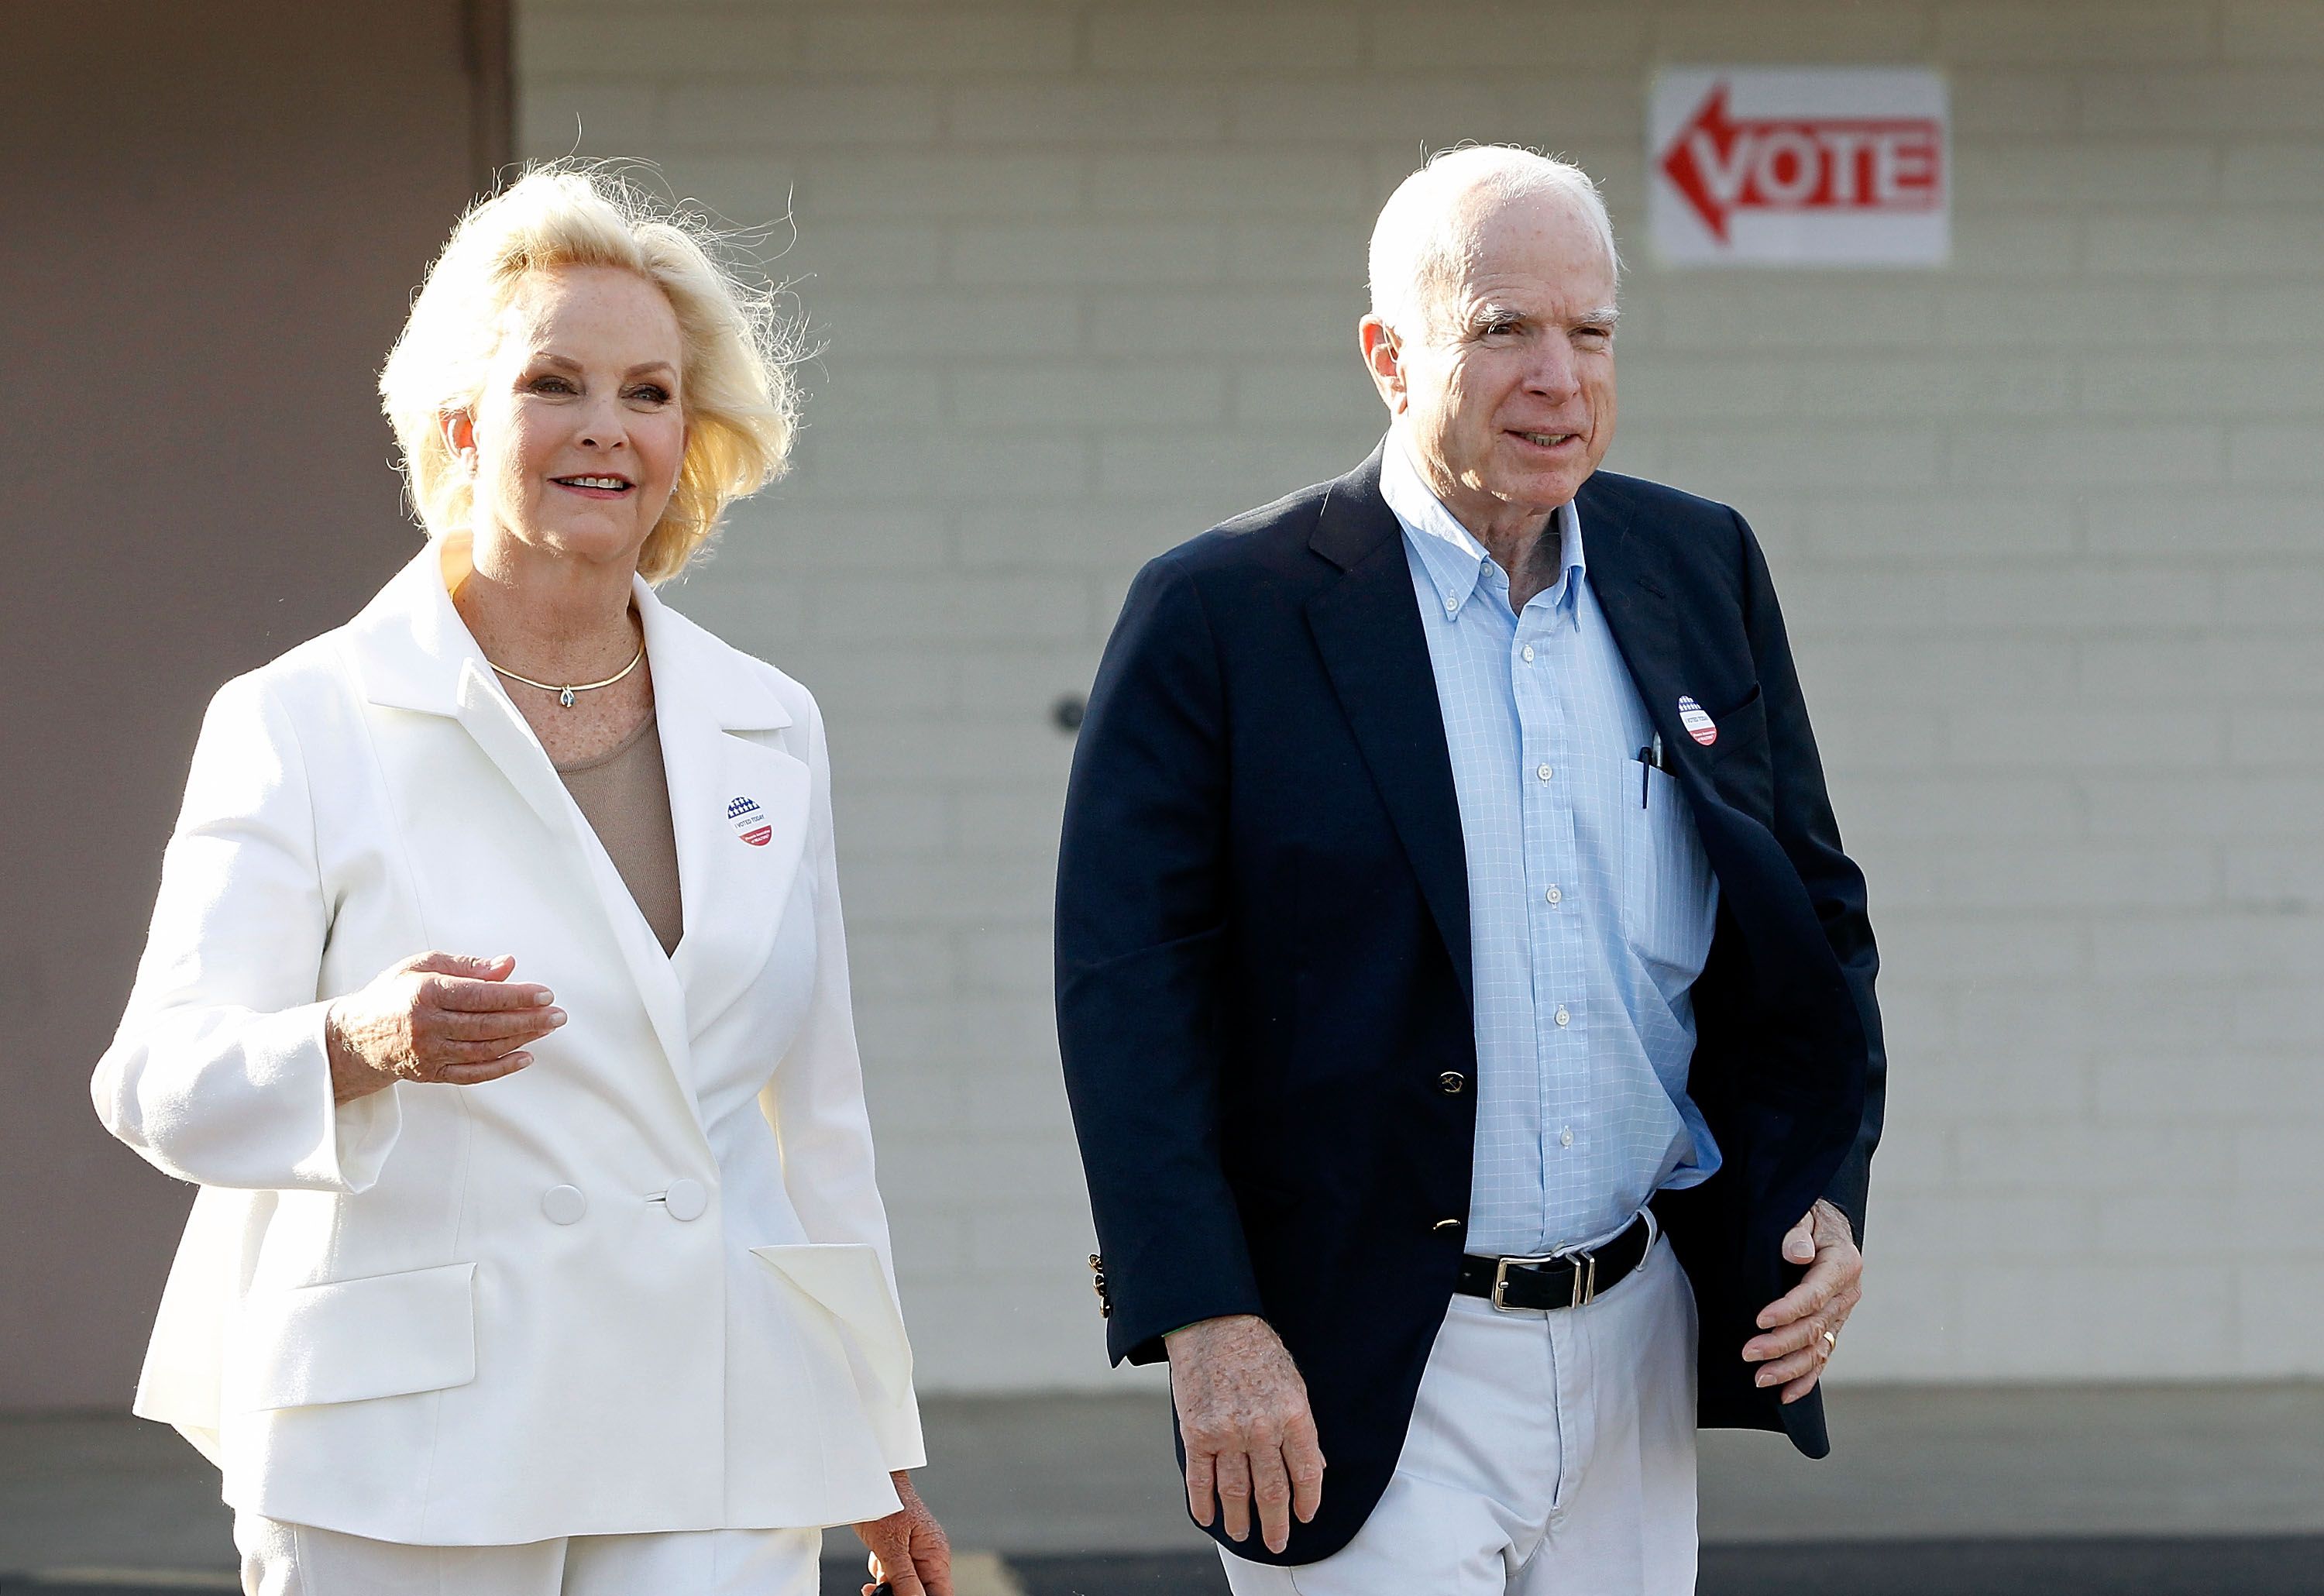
x=1831, y=1343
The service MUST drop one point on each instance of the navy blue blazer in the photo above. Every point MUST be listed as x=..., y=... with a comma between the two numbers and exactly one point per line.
x=1262, y=954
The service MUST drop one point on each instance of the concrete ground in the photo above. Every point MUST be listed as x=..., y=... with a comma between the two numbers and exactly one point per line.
x=2124, y=1489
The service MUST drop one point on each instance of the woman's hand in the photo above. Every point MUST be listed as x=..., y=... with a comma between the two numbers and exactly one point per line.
x=910, y=1554
x=436, y=1017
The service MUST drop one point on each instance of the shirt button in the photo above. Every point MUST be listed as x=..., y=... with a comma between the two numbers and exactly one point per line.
x=1451, y=1081
x=1452, y=605
x=1528, y=654
x=1565, y=1137
x=1561, y=1016
x=1554, y=896
x=1543, y=771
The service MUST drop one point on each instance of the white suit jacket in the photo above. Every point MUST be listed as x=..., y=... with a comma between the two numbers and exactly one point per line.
x=643, y=1285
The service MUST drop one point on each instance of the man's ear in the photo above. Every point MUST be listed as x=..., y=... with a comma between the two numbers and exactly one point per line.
x=1384, y=358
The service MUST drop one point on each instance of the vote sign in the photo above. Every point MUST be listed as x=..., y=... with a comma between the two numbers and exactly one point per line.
x=1799, y=166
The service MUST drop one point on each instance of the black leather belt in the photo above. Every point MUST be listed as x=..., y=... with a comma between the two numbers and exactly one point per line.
x=1560, y=1281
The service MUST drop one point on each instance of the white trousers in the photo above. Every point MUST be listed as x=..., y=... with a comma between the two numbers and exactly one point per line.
x=1550, y=1455
x=282, y=1559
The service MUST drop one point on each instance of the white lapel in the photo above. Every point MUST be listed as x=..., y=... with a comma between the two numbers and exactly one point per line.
x=739, y=805
x=411, y=651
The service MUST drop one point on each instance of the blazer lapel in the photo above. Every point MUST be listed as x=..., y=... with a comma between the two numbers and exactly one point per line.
x=1367, y=626
x=482, y=708
x=1652, y=637
x=739, y=805
x=411, y=650
x=1647, y=628
x=1638, y=611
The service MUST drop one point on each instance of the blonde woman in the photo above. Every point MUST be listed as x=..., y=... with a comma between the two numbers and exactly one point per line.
x=496, y=999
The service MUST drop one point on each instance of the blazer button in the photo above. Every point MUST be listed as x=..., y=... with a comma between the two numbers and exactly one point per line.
x=1451, y=1083
x=687, y=1200
x=564, y=1204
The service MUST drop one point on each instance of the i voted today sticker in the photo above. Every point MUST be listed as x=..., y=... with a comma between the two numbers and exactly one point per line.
x=749, y=821
x=1699, y=725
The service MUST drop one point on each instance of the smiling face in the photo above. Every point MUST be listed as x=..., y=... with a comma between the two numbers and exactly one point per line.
x=576, y=440
x=1506, y=392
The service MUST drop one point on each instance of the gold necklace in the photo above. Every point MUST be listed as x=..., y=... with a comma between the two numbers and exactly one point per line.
x=565, y=694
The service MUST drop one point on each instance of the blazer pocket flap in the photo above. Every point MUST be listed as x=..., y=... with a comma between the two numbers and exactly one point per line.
x=846, y=1279
x=346, y=1341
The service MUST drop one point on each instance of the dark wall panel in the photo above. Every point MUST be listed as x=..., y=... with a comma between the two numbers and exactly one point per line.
x=211, y=219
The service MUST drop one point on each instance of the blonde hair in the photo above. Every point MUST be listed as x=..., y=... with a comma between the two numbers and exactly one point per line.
x=739, y=403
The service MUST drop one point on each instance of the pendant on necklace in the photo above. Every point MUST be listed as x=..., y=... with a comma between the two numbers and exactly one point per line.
x=565, y=698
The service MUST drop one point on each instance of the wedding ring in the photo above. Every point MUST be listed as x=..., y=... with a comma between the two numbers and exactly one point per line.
x=1831, y=1343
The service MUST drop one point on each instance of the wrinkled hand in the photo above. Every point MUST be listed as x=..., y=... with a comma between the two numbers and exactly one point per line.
x=1242, y=1412
x=436, y=1017
x=910, y=1554
x=1794, y=1349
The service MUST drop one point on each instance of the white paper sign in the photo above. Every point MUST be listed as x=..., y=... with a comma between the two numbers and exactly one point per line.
x=1806, y=166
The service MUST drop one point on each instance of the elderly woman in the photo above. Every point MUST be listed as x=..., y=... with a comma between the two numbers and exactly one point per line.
x=496, y=999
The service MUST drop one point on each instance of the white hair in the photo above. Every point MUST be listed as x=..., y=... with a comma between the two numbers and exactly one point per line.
x=1426, y=230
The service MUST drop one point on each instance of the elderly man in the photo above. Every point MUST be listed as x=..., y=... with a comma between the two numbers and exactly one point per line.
x=1462, y=991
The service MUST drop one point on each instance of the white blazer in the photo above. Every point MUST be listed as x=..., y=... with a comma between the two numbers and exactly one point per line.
x=643, y=1285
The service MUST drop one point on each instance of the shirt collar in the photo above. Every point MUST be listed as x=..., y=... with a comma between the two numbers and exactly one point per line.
x=1457, y=565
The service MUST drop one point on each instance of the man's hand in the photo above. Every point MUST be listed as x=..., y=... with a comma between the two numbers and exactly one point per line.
x=1242, y=1412
x=910, y=1554
x=1803, y=1325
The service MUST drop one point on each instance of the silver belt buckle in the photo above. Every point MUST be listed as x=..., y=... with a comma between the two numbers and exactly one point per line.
x=1501, y=1279
x=1585, y=1277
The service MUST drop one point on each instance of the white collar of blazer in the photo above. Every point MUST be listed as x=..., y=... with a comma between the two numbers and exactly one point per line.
x=409, y=649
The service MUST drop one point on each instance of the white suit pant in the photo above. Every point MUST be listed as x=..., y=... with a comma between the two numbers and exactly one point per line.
x=282, y=1559
x=1550, y=1455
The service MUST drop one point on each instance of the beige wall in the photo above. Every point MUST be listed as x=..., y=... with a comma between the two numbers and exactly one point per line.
x=214, y=215
x=2045, y=521
x=1086, y=272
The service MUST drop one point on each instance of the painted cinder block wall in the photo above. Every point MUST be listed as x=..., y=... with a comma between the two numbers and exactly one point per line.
x=1085, y=277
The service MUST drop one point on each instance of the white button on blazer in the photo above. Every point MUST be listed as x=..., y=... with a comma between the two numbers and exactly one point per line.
x=643, y=1285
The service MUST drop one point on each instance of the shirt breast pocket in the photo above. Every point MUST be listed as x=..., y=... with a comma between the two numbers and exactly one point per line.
x=1668, y=902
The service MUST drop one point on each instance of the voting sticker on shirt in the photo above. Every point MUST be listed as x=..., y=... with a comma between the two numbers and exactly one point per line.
x=1699, y=725
x=749, y=822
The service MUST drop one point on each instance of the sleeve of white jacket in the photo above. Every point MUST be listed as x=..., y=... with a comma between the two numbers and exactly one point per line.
x=816, y=1103
x=219, y=1073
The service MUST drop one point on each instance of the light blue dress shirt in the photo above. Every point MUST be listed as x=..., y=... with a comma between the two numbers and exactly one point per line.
x=1590, y=904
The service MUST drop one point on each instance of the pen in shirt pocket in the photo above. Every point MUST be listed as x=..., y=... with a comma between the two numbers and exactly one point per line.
x=1650, y=759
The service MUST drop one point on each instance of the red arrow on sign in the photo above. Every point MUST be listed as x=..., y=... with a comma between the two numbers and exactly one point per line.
x=1803, y=163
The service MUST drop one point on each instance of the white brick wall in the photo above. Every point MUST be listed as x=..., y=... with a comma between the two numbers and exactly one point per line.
x=1087, y=275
